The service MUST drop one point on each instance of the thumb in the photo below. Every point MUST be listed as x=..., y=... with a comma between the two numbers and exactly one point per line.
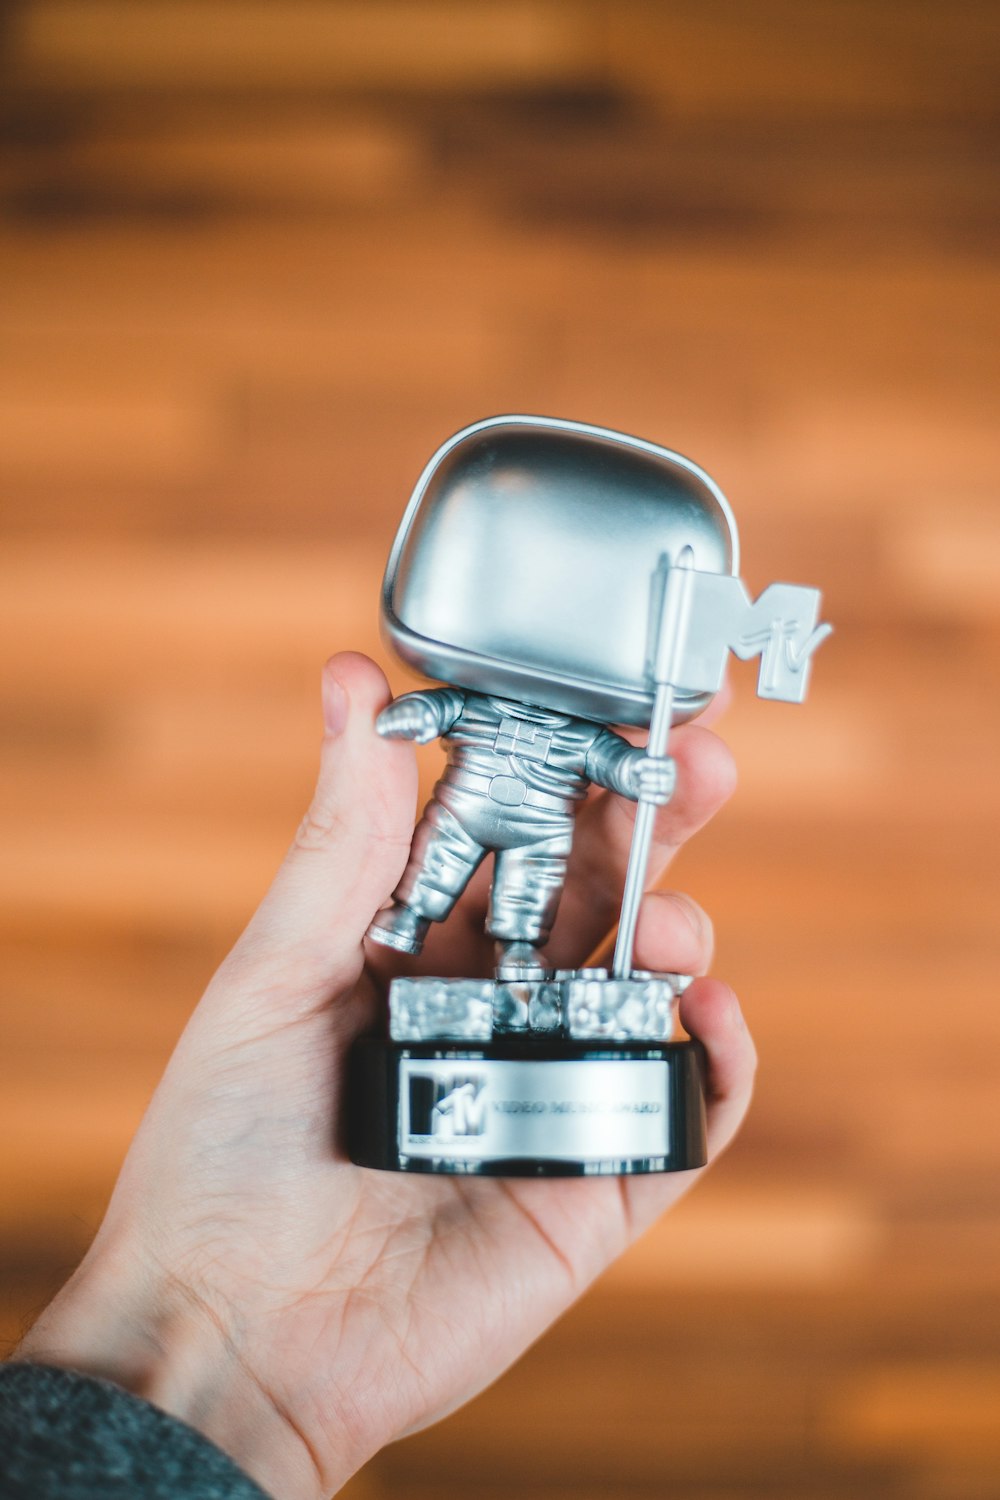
x=305, y=940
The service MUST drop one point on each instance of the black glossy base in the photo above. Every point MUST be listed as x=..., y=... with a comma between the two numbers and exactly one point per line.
x=401, y=1096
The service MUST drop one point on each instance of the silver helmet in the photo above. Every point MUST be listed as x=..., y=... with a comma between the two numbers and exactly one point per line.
x=528, y=559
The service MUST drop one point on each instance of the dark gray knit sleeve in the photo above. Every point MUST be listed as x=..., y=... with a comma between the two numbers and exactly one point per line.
x=65, y=1436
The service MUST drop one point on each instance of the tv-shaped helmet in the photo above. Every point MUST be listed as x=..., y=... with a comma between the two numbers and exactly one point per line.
x=530, y=561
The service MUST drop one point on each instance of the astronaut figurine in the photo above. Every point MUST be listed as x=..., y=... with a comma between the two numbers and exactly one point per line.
x=558, y=579
x=516, y=775
x=530, y=543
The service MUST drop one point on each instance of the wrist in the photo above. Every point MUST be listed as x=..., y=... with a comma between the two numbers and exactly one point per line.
x=156, y=1339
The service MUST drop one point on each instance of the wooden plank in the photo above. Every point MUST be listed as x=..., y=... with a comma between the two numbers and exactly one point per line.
x=180, y=43
x=942, y=1409
x=826, y=62
x=753, y=1234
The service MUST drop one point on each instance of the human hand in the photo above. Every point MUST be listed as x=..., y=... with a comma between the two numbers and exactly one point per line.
x=301, y=1311
x=408, y=718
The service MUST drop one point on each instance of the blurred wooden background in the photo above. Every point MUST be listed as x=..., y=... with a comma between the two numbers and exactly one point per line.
x=256, y=261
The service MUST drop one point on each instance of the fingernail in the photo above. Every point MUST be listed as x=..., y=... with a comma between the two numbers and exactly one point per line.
x=334, y=705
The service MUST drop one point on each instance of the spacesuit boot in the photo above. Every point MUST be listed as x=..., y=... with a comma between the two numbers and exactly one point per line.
x=399, y=927
x=517, y=961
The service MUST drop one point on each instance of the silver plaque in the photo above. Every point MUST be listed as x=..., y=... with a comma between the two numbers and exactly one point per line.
x=580, y=1109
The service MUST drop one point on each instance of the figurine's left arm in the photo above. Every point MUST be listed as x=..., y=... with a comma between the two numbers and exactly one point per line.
x=420, y=716
x=623, y=768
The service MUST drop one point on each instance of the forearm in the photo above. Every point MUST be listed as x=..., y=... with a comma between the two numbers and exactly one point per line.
x=444, y=704
x=610, y=761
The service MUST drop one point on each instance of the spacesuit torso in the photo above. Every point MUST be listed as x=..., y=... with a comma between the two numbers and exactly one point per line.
x=516, y=772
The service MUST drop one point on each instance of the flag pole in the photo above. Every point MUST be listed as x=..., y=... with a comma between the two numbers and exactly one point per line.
x=670, y=638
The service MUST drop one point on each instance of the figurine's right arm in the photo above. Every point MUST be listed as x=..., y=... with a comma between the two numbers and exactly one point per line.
x=421, y=716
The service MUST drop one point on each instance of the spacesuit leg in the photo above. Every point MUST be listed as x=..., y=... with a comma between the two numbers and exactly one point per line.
x=443, y=858
x=527, y=884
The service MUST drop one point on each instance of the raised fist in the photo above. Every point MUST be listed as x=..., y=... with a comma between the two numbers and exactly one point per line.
x=654, y=779
x=408, y=718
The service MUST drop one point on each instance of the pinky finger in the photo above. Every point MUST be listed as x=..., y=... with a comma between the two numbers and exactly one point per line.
x=711, y=1012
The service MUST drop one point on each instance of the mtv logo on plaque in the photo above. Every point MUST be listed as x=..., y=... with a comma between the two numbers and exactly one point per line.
x=442, y=1108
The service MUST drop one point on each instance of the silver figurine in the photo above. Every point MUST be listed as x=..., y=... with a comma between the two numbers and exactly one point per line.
x=532, y=572
x=559, y=578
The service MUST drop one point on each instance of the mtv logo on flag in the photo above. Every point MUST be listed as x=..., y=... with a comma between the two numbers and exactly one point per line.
x=781, y=626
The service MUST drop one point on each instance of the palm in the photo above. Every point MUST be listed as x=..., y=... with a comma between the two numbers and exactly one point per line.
x=349, y=1282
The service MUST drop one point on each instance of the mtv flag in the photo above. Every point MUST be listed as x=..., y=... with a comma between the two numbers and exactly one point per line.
x=781, y=627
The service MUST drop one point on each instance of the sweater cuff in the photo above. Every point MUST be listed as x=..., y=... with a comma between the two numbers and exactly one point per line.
x=66, y=1436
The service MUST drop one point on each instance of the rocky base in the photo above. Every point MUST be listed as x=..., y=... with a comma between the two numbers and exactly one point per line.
x=577, y=1004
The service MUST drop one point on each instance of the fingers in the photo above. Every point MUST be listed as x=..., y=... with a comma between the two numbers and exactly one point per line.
x=711, y=1012
x=706, y=777
x=719, y=705
x=673, y=935
x=306, y=937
